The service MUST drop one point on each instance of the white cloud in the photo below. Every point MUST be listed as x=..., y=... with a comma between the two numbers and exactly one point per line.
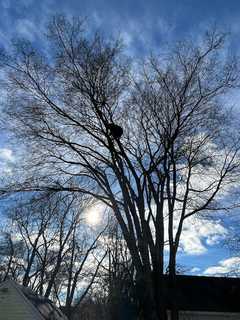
x=127, y=38
x=195, y=270
x=199, y=232
x=224, y=267
x=6, y=154
x=191, y=243
x=6, y=160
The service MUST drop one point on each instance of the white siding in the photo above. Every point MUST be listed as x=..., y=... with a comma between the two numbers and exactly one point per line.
x=13, y=306
x=188, y=315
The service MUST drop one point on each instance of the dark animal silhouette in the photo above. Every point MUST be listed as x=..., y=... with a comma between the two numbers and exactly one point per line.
x=114, y=130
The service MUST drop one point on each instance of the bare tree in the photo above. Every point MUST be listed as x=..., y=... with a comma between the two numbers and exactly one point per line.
x=119, y=277
x=55, y=246
x=10, y=251
x=80, y=269
x=112, y=294
x=150, y=144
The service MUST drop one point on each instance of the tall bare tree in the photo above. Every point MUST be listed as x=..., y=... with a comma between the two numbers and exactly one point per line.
x=149, y=143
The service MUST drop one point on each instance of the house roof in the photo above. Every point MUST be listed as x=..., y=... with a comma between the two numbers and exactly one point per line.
x=198, y=293
x=43, y=307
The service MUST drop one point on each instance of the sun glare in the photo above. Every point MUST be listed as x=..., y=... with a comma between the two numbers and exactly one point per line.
x=94, y=215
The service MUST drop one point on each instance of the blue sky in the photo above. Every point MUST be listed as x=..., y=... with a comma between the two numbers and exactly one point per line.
x=145, y=26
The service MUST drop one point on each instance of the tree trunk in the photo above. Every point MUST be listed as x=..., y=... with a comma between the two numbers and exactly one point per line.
x=173, y=285
x=151, y=297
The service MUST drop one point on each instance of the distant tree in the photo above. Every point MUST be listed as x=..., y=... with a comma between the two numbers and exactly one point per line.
x=152, y=144
x=114, y=287
x=79, y=268
x=90, y=309
x=11, y=251
x=120, y=278
x=47, y=248
x=232, y=243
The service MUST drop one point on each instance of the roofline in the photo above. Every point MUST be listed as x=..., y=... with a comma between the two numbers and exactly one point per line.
x=215, y=313
x=15, y=285
x=204, y=277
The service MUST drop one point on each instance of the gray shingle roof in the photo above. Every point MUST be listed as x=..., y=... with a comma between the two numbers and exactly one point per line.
x=43, y=306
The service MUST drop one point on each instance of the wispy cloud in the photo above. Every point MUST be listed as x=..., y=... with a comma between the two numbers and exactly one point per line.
x=6, y=161
x=26, y=29
x=6, y=154
x=195, y=270
x=224, y=267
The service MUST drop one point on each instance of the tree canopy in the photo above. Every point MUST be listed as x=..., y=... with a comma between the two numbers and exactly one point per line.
x=152, y=141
